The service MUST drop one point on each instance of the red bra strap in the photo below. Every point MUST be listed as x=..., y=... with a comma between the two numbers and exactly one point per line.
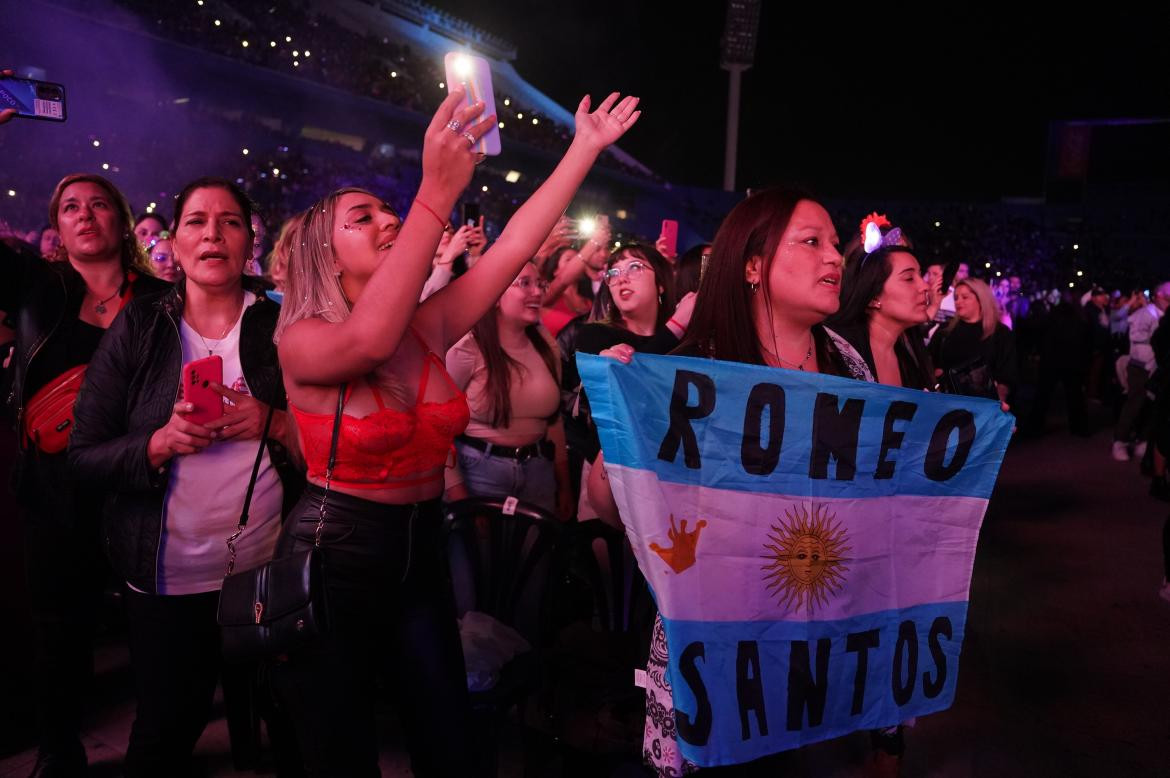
x=432, y=357
x=377, y=394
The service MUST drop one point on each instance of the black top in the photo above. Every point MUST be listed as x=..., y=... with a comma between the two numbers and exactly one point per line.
x=964, y=343
x=594, y=338
x=71, y=344
x=915, y=370
x=44, y=299
x=597, y=337
x=130, y=388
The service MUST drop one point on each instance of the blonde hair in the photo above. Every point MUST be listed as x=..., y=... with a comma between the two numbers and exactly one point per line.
x=279, y=256
x=989, y=312
x=313, y=286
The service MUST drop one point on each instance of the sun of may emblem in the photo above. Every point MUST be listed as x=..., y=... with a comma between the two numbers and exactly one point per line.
x=806, y=556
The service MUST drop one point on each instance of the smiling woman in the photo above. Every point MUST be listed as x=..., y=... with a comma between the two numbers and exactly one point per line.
x=509, y=367
x=354, y=336
x=180, y=481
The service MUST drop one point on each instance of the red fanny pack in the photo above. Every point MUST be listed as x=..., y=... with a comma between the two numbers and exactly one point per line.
x=48, y=417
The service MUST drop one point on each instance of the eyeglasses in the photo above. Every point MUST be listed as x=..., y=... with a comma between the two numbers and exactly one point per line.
x=632, y=271
x=525, y=284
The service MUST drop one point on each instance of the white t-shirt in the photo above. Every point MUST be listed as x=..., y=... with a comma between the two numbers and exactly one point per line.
x=206, y=492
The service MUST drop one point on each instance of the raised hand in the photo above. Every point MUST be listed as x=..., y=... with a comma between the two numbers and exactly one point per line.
x=448, y=158
x=684, y=310
x=609, y=122
x=7, y=113
x=456, y=245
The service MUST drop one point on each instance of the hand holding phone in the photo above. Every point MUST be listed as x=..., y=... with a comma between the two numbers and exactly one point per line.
x=30, y=99
x=474, y=75
x=667, y=244
x=6, y=113
x=197, y=379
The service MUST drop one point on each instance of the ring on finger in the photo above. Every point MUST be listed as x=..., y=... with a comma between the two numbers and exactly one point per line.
x=470, y=138
x=455, y=126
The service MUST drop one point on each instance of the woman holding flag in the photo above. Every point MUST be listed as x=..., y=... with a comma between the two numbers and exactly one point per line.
x=774, y=276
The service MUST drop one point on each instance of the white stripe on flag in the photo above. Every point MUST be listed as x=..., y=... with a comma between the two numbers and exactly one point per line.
x=902, y=550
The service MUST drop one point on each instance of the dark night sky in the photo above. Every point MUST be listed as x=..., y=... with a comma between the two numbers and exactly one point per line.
x=951, y=102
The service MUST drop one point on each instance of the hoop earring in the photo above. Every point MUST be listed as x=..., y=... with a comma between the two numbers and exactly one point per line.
x=755, y=286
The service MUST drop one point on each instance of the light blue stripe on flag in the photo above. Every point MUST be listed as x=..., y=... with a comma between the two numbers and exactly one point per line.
x=844, y=678
x=644, y=390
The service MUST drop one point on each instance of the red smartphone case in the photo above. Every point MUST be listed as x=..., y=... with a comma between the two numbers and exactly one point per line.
x=196, y=377
x=670, y=232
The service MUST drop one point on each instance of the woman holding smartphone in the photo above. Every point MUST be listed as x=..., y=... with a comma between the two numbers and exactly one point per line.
x=62, y=310
x=177, y=484
x=352, y=332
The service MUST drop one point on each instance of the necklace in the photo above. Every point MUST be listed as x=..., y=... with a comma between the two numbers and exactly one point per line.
x=807, y=355
x=217, y=341
x=101, y=304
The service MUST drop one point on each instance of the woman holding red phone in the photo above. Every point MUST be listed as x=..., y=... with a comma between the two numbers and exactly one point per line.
x=178, y=478
x=62, y=309
x=352, y=332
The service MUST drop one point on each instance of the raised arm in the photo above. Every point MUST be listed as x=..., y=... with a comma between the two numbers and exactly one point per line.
x=591, y=255
x=317, y=352
x=451, y=313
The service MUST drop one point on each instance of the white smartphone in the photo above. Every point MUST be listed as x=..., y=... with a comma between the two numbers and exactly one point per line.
x=475, y=76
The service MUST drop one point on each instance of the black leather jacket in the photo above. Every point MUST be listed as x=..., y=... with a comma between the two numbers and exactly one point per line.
x=131, y=386
x=38, y=296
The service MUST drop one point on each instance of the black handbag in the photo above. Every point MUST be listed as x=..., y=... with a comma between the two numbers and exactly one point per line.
x=971, y=378
x=279, y=606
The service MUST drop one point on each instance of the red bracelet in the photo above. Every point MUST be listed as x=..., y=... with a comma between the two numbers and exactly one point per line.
x=675, y=323
x=431, y=211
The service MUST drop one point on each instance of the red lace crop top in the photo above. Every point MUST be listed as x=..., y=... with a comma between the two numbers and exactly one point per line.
x=382, y=450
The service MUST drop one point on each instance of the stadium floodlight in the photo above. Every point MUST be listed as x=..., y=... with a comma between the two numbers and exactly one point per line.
x=737, y=52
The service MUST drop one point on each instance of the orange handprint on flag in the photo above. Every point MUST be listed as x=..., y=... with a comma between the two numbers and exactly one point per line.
x=681, y=555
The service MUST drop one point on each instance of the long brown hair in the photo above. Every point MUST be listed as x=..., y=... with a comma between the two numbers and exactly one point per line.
x=500, y=365
x=722, y=325
x=133, y=256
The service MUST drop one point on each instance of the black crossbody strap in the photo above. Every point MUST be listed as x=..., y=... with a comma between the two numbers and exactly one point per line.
x=231, y=541
x=332, y=462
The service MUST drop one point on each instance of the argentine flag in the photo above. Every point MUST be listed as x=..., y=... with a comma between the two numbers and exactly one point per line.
x=809, y=541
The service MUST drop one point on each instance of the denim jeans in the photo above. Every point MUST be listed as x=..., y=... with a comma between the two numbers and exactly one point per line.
x=531, y=480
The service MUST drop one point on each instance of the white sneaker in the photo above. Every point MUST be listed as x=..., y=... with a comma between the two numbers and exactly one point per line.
x=1120, y=451
x=1164, y=590
x=1139, y=450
